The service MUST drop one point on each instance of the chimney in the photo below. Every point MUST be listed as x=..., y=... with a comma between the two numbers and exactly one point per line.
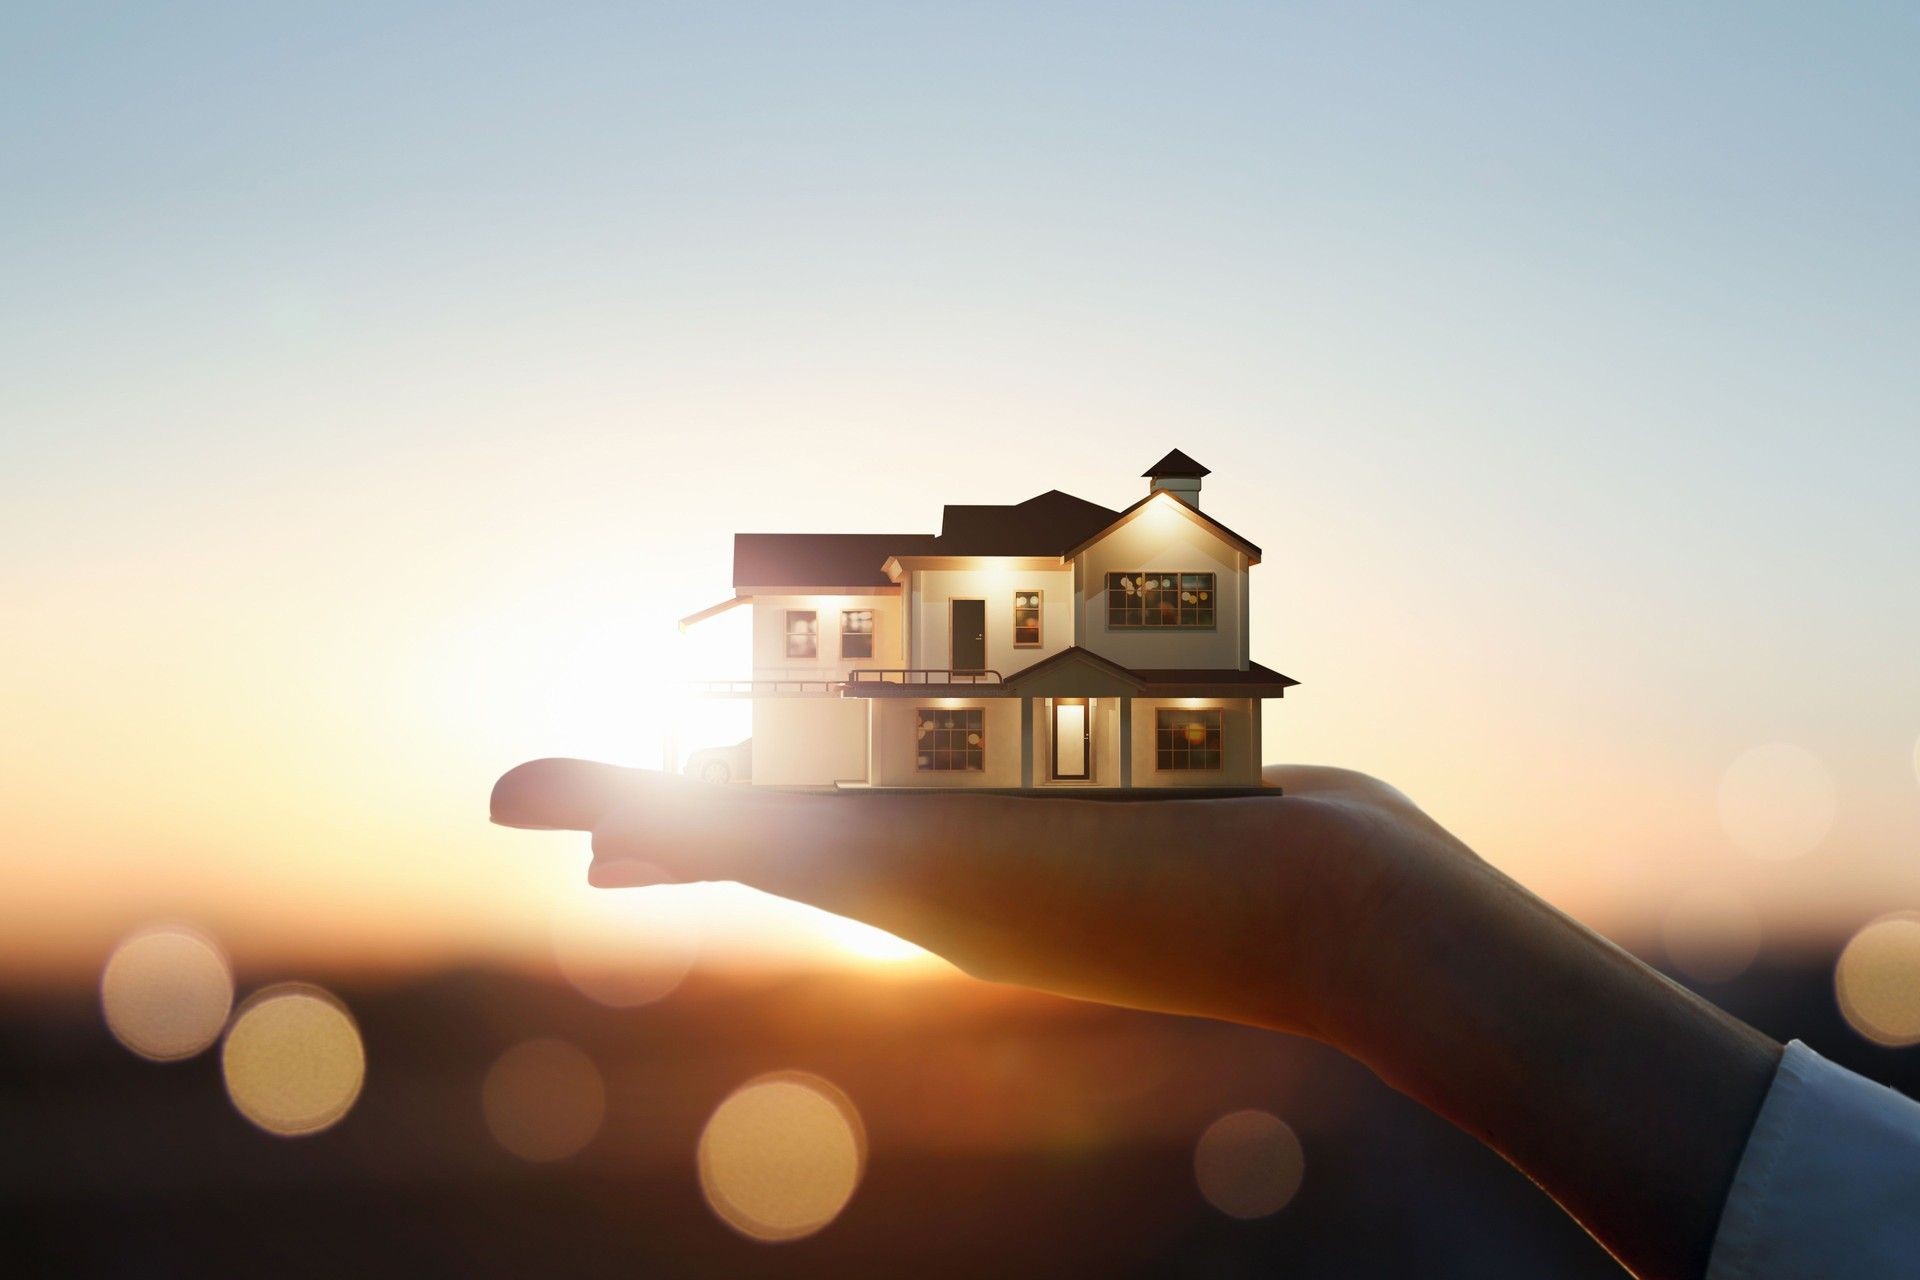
x=1179, y=475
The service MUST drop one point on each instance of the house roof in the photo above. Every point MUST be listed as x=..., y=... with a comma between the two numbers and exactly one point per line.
x=1175, y=464
x=1254, y=677
x=1048, y=524
x=1043, y=525
x=1080, y=672
x=1120, y=518
x=820, y=559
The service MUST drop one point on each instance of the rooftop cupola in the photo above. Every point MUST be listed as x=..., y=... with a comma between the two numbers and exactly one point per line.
x=1179, y=475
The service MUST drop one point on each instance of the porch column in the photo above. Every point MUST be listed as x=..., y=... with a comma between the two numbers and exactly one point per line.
x=1026, y=742
x=1126, y=741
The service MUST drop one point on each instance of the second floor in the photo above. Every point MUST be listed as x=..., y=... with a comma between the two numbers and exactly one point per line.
x=1159, y=585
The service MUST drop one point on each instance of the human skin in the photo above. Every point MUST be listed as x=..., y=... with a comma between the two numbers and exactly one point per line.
x=1336, y=910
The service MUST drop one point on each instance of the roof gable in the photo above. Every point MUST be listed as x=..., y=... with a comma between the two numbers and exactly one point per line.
x=1076, y=672
x=1193, y=513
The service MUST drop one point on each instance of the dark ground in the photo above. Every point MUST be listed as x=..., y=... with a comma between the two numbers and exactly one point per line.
x=1010, y=1135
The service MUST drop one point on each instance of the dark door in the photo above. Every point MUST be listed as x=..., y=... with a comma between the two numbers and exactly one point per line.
x=969, y=621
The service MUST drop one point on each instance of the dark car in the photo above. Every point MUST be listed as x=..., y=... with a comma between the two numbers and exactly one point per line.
x=722, y=764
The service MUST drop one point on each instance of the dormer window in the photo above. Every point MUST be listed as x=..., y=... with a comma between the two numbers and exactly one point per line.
x=1172, y=600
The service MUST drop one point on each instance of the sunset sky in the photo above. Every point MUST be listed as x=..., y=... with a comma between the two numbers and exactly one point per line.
x=376, y=390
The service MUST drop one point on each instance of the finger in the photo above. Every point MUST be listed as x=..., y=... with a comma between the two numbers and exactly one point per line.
x=557, y=794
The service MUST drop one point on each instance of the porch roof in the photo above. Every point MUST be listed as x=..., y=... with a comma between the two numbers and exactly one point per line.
x=1078, y=672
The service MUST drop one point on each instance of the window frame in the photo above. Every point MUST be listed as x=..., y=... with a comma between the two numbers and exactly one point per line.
x=1038, y=610
x=1205, y=584
x=1167, y=753
x=812, y=637
x=972, y=757
x=866, y=635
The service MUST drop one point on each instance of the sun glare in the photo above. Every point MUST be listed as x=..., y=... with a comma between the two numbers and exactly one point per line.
x=864, y=942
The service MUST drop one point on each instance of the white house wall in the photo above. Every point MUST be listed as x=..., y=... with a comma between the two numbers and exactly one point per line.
x=809, y=742
x=1161, y=539
x=934, y=588
x=895, y=745
x=770, y=660
x=1239, y=744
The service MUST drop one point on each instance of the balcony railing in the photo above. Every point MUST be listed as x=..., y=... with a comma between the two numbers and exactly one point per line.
x=921, y=675
x=815, y=686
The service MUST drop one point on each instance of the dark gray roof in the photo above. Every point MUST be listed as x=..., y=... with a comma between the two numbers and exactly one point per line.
x=1045, y=525
x=1175, y=464
x=820, y=559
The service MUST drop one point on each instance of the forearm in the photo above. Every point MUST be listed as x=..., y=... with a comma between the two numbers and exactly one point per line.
x=1627, y=1098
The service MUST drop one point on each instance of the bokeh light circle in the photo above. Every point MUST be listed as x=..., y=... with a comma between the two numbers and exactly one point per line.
x=543, y=1100
x=1877, y=980
x=1249, y=1164
x=165, y=992
x=293, y=1060
x=1777, y=801
x=625, y=947
x=780, y=1158
x=1711, y=934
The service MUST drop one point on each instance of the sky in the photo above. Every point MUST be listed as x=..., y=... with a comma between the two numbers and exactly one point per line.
x=379, y=383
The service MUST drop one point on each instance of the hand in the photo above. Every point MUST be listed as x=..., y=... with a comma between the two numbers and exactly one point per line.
x=1336, y=909
x=1235, y=909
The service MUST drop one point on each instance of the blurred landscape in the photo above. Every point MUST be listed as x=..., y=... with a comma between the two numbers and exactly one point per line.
x=1009, y=1134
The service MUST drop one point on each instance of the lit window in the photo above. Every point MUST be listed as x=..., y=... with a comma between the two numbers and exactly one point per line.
x=856, y=633
x=1160, y=600
x=1187, y=739
x=949, y=740
x=1026, y=619
x=803, y=634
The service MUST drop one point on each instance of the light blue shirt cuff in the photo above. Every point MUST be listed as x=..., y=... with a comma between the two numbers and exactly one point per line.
x=1829, y=1184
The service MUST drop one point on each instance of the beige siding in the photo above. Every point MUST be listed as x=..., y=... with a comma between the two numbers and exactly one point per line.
x=1161, y=539
x=933, y=588
x=1239, y=745
x=809, y=742
x=894, y=745
x=770, y=660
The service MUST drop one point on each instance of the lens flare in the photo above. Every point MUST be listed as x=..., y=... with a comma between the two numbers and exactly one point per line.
x=626, y=947
x=293, y=1060
x=166, y=992
x=1777, y=801
x=543, y=1100
x=1249, y=1164
x=780, y=1158
x=1877, y=981
x=1710, y=934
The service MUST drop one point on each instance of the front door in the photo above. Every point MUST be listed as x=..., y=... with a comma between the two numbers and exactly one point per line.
x=969, y=630
x=1070, y=739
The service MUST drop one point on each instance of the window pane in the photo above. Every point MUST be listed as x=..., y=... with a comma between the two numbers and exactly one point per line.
x=1160, y=599
x=856, y=633
x=1187, y=739
x=803, y=639
x=950, y=739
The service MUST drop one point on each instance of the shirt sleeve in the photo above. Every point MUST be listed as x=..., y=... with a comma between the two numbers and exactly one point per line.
x=1829, y=1184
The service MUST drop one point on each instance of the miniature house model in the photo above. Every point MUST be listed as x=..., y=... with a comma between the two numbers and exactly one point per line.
x=1051, y=644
